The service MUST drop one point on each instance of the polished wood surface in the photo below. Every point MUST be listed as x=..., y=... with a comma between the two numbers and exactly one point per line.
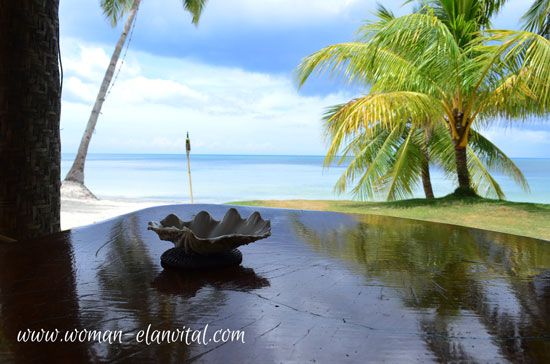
x=325, y=288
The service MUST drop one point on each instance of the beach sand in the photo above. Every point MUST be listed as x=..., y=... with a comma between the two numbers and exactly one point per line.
x=81, y=212
x=79, y=206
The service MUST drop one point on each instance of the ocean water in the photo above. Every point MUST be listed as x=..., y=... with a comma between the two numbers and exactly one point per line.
x=224, y=178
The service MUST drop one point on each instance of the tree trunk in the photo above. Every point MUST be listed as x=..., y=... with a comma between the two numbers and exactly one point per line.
x=76, y=173
x=426, y=179
x=462, y=167
x=30, y=107
x=462, y=172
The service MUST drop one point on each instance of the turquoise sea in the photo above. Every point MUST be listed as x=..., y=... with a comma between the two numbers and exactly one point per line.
x=223, y=178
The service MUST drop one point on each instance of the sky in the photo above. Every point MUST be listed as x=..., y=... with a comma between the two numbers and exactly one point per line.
x=230, y=81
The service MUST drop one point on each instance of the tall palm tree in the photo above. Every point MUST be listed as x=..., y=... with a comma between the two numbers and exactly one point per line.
x=114, y=10
x=419, y=69
x=393, y=161
x=30, y=107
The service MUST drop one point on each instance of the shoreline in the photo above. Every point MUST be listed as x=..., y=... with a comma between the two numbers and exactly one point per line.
x=81, y=212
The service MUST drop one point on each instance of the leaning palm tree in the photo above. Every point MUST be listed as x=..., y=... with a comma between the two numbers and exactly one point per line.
x=113, y=10
x=419, y=70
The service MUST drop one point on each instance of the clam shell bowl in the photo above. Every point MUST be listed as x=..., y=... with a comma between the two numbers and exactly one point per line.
x=204, y=241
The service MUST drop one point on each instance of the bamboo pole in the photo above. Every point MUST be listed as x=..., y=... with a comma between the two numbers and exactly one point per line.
x=188, y=151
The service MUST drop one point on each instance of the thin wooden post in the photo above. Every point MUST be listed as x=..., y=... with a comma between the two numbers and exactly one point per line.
x=188, y=151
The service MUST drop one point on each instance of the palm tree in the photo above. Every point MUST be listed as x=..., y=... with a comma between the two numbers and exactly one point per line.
x=419, y=69
x=392, y=162
x=30, y=107
x=114, y=10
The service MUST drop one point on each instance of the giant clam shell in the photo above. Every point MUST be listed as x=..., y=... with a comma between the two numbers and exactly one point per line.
x=204, y=235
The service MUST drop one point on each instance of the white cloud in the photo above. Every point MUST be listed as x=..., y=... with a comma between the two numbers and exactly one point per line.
x=76, y=89
x=227, y=110
x=141, y=89
x=84, y=68
x=90, y=64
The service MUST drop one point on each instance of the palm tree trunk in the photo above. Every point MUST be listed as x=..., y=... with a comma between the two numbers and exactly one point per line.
x=30, y=108
x=462, y=168
x=426, y=179
x=76, y=173
x=427, y=182
x=462, y=172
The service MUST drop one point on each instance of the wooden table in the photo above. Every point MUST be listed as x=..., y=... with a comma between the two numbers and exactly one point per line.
x=325, y=288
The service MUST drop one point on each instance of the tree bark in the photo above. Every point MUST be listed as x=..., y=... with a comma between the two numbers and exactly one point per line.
x=30, y=107
x=462, y=172
x=462, y=168
x=426, y=178
x=76, y=173
x=426, y=181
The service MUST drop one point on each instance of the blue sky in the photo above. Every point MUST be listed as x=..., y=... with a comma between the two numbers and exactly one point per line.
x=228, y=82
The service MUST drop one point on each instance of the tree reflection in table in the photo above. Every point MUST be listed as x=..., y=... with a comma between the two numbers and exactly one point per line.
x=446, y=274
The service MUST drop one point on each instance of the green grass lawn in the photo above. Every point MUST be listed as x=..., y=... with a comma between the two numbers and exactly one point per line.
x=526, y=219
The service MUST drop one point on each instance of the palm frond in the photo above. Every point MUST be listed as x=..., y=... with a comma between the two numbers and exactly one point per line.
x=387, y=109
x=419, y=35
x=406, y=53
x=369, y=156
x=382, y=16
x=387, y=163
x=114, y=10
x=537, y=18
x=405, y=172
x=367, y=64
x=496, y=160
x=482, y=180
x=520, y=61
x=383, y=13
x=378, y=162
x=195, y=8
x=348, y=60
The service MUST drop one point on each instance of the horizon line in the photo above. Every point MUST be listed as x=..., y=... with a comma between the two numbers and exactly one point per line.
x=241, y=154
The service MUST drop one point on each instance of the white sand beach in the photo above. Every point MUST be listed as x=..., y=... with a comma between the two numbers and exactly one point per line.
x=80, y=207
x=80, y=212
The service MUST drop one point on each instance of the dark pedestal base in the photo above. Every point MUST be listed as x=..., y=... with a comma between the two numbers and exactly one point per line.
x=176, y=258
